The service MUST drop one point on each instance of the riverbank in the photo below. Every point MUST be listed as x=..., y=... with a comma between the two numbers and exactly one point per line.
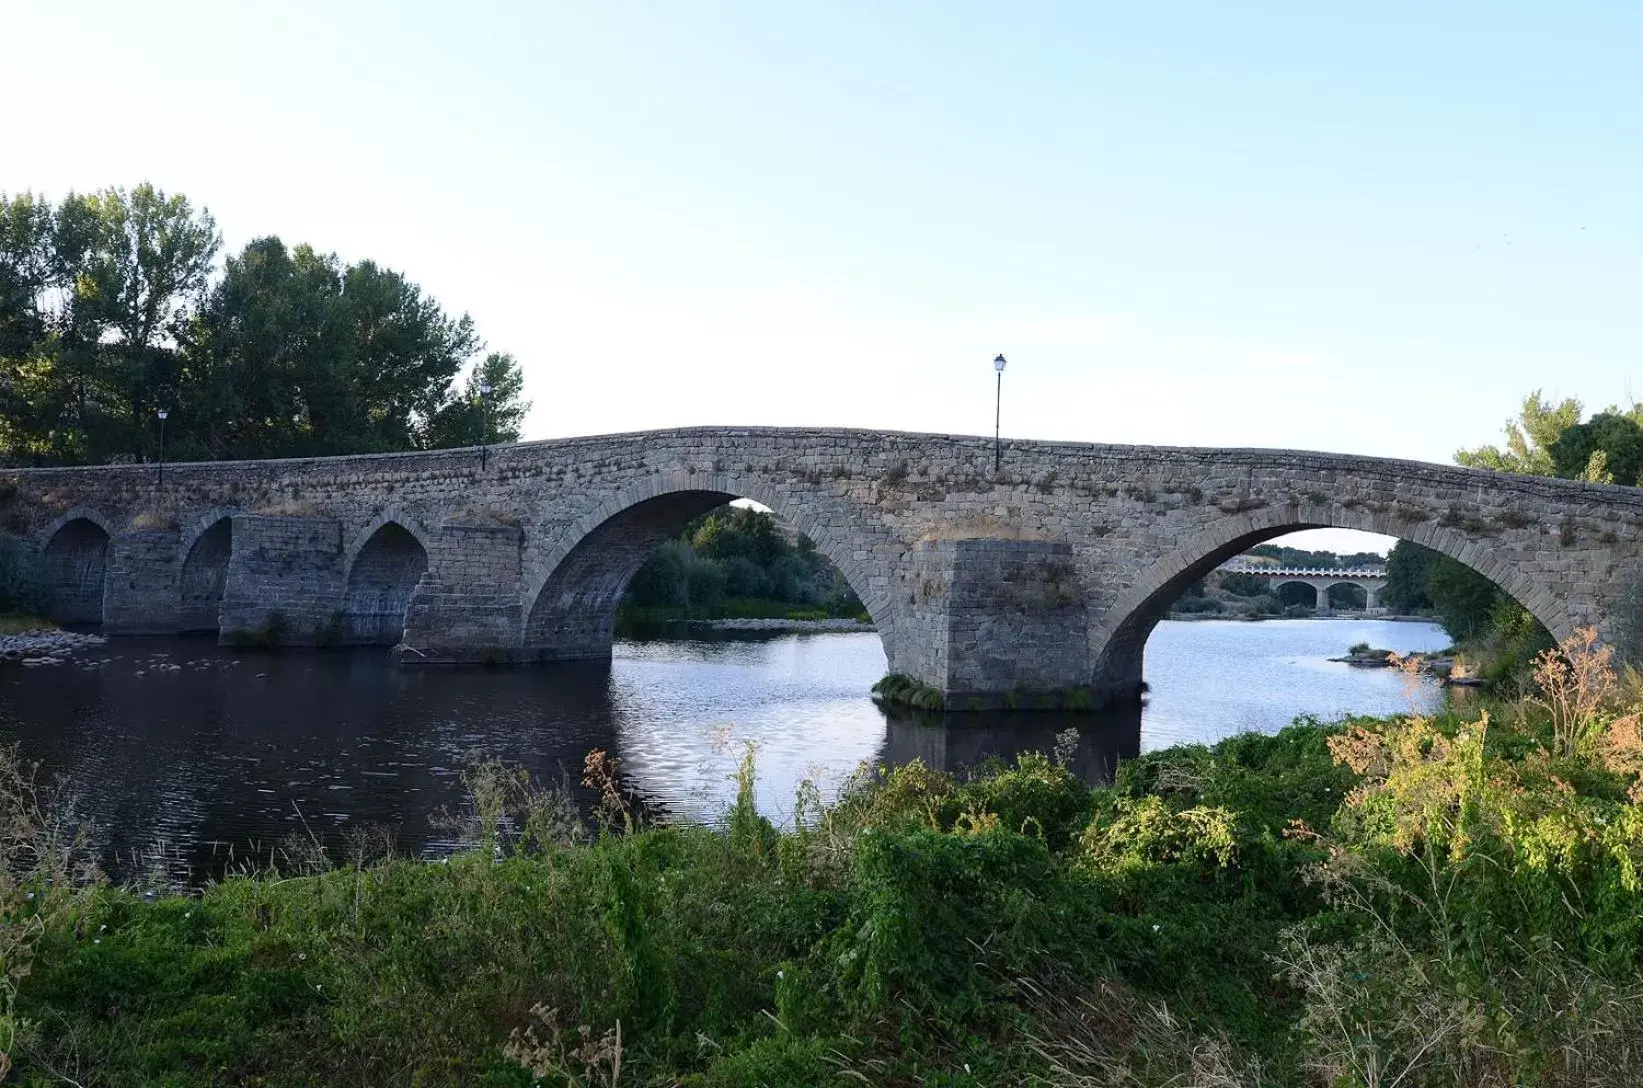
x=786, y=624
x=744, y=614
x=1259, y=912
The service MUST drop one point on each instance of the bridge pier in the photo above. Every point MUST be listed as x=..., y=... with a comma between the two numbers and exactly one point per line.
x=465, y=609
x=994, y=623
x=141, y=591
x=285, y=581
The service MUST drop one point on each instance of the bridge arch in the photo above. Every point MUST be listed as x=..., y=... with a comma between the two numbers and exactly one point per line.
x=75, y=549
x=384, y=566
x=391, y=516
x=571, y=595
x=1117, y=642
x=205, y=550
x=1321, y=594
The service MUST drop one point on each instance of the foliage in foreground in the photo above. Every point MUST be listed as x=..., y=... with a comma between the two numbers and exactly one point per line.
x=1413, y=901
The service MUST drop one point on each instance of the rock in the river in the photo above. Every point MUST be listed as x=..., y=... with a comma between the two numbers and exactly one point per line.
x=45, y=645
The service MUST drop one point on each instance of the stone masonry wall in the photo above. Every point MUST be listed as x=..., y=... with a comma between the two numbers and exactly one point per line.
x=284, y=582
x=1138, y=523
x=140, y=594
x=466, y=607
x=996, y=621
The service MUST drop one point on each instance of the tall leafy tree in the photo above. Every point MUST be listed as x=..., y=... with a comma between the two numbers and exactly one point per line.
x=96, y=292
x=109, y=311
x=1408, y=566
x=1608, y=448
x=1529, y=438
x=470, y=418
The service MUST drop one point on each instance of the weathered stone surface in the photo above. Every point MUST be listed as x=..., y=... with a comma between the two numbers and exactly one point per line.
x=527, y=555
x=284, y=581
x=140, y=591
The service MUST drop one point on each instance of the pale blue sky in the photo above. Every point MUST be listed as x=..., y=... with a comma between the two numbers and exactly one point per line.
x=1369, y=229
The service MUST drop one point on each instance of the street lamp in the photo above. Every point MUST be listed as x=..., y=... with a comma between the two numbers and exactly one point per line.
x=162, y=413
x=998, y=408
x=484, y=424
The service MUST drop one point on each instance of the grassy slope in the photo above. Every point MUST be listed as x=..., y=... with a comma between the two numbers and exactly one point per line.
x=1016, y=927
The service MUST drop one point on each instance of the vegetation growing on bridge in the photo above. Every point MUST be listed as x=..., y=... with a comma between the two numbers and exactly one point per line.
x=1441, y=901
x=111, y=309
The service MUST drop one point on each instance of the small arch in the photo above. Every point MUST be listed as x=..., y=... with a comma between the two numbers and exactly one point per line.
x=569, y=604
x=78, y=513
x=1320, y=596
x=199, y=527
x=392, y=516
x=382, y=575
x=1328, y=597
x=76, y=559
x=205, y=575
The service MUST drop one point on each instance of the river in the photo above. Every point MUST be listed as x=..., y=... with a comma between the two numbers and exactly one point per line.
x=193, y=757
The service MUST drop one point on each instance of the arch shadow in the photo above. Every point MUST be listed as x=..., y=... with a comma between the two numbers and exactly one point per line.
x=384, y=570
x=204, y=575
x=75, y=551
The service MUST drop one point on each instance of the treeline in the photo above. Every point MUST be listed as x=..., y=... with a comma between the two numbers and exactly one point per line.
x=1300, y=557
x=732, y=561
x=113, y=310
x=1552, y=440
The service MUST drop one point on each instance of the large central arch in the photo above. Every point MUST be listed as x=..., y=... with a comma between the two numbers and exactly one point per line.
x=1118, y=642
x=570, y=602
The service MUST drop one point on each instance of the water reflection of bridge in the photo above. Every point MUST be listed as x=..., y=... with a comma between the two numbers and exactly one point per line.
x=1321, y=579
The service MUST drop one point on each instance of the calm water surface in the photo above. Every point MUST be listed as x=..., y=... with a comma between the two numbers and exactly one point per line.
x=217, y=753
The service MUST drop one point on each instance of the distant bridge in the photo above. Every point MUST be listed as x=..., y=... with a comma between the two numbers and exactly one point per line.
x=994, y=586
x=1321, y=579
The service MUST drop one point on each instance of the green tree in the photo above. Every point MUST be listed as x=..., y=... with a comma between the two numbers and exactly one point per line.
x=1529, y=438
x=297, y=354
x=1408, y=566
x=468, y=418
x=740, y=531
x=1608, y=448
x=94, y=297
x=108, y=312
x=1466, y=601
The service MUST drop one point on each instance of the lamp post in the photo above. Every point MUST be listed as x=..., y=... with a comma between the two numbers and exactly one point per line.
x=162, y=413
x=998, y=409
x=484, y=424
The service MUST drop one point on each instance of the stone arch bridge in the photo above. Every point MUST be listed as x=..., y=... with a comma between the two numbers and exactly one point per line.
x=1372, y=580
x=1040, y=578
